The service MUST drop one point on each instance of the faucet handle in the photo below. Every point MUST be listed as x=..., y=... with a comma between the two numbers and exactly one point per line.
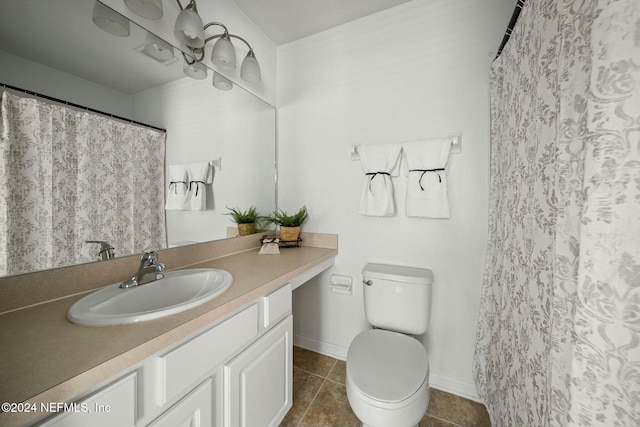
x=149, y=256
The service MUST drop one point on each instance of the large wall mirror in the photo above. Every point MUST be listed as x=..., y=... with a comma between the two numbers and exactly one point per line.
x=54, y=48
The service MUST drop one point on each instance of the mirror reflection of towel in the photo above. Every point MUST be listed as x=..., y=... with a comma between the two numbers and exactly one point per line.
x=427, y=193
x=178, y=187
x=378, y=163
x=200, y=174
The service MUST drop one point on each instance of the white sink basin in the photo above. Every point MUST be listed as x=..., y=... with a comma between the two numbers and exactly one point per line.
x=176, y=292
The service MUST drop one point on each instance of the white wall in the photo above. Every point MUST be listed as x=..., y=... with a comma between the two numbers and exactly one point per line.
x=25, y=74
x=418, y=70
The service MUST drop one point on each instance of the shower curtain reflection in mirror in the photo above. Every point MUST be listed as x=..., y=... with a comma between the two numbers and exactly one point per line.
x=68, y=176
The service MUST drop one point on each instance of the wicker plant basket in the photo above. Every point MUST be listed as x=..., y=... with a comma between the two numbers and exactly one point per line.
x=246, y=229
x=288, y=234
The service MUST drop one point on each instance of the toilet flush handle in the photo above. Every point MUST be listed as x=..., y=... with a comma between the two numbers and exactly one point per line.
x=367, y=282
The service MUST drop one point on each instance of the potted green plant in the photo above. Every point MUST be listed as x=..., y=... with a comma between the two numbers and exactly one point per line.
x=289, y=224
x=246, y=219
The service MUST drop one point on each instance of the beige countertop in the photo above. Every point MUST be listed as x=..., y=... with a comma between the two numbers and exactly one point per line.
x=46, y=358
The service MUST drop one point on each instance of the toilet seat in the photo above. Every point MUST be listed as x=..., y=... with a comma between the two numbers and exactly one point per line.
x=386, y=366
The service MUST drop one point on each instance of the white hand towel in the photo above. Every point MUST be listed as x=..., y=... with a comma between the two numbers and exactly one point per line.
x=378, y=163
x=427, y=194
x=178, y=186
x=200, y=174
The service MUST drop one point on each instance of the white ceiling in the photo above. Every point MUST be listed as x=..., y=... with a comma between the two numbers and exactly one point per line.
x=287, y=20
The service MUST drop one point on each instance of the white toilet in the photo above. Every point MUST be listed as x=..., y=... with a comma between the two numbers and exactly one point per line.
x=387, y=368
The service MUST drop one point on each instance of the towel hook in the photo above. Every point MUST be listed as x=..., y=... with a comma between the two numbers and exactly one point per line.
x=456, y=143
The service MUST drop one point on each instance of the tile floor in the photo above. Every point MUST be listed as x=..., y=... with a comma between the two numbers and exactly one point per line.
x=320, y=398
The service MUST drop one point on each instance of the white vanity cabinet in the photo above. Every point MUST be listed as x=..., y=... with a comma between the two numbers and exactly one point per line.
x=183, y=367
x=195, y=409
x=113, y=405
x=235, y=373
x=258, y=381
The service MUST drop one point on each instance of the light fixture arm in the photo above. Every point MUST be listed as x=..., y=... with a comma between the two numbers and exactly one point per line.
x=187, y=60
x=245, y=42
x=191, y=5
x=219, y=24
x=226, y=33
x=197, y=55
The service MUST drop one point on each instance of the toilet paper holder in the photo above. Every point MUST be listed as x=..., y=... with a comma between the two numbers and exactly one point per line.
x=341, y=284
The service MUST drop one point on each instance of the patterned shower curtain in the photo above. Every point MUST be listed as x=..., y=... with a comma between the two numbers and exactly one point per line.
x=558, y=340
x=68, y=176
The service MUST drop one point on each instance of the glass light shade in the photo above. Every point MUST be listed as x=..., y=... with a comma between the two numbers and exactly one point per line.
x=110, y=21
x=157, y=48
x=221, y=82
x=196, y=70
x=250, y=69
x=224, y=54
x=189, y=29
x=150, y=9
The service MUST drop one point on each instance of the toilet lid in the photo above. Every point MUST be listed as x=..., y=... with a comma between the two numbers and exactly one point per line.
x=387, y=366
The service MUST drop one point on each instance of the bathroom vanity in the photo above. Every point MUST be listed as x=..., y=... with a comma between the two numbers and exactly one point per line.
x=227, y=362
x=237, y=372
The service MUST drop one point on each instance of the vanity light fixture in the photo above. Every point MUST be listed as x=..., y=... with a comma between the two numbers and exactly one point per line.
x=190, y=30
x=223, y=54
x=250, y=69
x=110, y=21
x=150, y=9
x=194, y=68
x=221, y=82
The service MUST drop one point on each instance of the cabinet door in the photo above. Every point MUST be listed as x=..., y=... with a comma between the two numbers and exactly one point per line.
x=193, y=410
x=114, y=405
x=258, y=381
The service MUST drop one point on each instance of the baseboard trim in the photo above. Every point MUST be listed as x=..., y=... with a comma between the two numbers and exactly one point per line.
x=437, y=380
x=454, y=385
x=322, y=347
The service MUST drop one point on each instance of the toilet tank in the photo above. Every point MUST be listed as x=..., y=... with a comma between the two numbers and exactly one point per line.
x=397, y=298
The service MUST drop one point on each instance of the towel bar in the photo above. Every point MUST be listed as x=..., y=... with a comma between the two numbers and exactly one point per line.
x=456, y=146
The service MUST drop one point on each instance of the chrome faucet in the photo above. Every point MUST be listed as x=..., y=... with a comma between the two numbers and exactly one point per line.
x=106, y=250
x=149, y=270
